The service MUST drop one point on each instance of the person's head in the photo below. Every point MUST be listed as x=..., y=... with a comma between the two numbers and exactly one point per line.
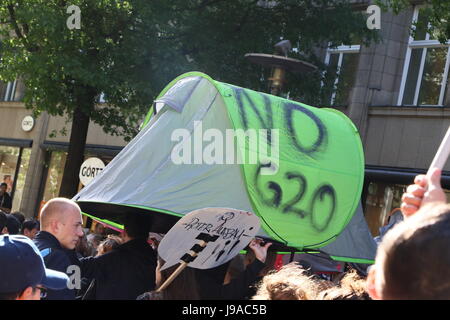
x=183, y=287
x=99, y=229
x=62, y=218
x=351, y=287
x=413, y=260
x=19, y=216
x=83, y=246
x=23, y=273
x=340, y=293
x=109, y=244
x=12, y=224
x=30, y=228
x=3, y=222
x=94, y=240
x=289, y=283
x=7, y=178
x=3, y=187
x=136, y=226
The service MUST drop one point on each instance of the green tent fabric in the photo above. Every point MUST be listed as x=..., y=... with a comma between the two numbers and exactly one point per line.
x=305, y=183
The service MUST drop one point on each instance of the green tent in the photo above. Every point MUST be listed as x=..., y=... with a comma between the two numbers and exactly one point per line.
x=210, y=144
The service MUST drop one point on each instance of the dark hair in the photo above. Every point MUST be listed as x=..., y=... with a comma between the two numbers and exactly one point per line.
x=4, y=184
x=12, y=224
x=3, y=220
x=269, y=263
x=137, y=226
x=183, y=287
x=30, y=225
x=19, y=216
x=95, y=239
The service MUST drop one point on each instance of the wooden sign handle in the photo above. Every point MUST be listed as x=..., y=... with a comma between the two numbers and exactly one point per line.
x=172, y=276
x=180, y=268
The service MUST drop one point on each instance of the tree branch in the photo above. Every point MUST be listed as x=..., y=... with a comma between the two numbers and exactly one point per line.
x=12, y=15
x=19, y=34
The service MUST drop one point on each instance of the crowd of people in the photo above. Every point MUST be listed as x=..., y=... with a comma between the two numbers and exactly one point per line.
x=42, y=259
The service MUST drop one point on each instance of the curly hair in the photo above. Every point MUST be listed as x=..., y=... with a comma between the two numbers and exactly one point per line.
x=351, y=287
x=291, y=282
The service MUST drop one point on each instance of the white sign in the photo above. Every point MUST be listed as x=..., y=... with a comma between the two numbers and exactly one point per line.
x=27, y=123
x=90, y=169
x=234, y=228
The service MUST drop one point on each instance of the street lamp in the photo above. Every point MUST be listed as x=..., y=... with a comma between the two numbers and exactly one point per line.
x=280, y=63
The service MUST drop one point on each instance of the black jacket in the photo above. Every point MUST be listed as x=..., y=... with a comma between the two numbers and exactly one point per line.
x=211, y=287
x=123, y=273
x=5, y=201
x=56, y=258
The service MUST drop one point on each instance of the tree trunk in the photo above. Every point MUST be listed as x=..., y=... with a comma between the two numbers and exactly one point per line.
x=70, y=180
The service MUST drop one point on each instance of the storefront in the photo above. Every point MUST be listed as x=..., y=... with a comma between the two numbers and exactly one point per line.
x=56, y=154
x=32, y=158
x=14, y=161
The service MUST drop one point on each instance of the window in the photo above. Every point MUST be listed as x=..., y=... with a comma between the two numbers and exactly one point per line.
x=425, y=73
x=56, y=171
x=343, y=62
x=382, y=201
x=24, y=161
x=54, y=175
x=11, y=91
x=14, y=163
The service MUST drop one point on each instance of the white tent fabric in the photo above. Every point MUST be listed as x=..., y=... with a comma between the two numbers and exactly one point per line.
x=159, y=182
x=143, y=173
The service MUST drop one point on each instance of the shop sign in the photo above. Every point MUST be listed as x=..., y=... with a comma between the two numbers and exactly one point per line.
x=27, y=123
x=90, y=169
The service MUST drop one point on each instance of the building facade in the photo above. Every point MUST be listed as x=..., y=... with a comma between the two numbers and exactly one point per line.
x=33, y=151
x=396, y=92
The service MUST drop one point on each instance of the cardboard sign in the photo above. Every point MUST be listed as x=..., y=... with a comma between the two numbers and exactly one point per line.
x=442, y=154
x=234, y=230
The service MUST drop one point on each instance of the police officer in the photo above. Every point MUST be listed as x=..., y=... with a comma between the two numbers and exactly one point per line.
x=23, y=275
x=61, y=229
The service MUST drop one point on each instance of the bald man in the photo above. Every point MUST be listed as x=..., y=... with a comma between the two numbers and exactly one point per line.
x=61, y=228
